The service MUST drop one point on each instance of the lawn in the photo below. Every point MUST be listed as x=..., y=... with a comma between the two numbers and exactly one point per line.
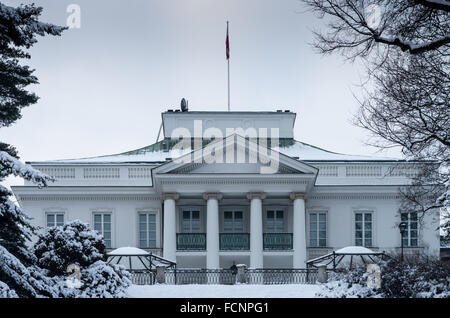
x=223, y=291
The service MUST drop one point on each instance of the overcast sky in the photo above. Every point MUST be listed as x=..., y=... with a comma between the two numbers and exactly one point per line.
x=103, y=86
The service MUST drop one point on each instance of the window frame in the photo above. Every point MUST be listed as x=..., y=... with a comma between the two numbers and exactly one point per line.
x=190, y=209
x=408, y=230
x=275, y=209
x=233, y=212
x=317, y=212
x=363, y=229
x=102, y=232
x=55, y=213
x=147, y=230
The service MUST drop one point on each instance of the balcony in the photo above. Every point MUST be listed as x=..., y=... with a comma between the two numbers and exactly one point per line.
x=234, y=241
x=277, y=241
x=191, y=241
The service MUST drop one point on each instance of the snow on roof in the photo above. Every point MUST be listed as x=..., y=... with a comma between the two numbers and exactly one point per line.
x=128, y=251
x=306, y=152
x=149, y=154
x=355, y=250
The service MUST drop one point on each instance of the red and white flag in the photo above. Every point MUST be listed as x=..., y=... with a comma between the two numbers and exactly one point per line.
x=228, y=44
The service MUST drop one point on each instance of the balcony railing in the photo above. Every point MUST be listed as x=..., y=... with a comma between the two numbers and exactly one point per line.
x=234, y=241
x=191, y=241
x=277, y=241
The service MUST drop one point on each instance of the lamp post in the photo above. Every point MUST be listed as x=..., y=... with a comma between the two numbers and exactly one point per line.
x=402, y=226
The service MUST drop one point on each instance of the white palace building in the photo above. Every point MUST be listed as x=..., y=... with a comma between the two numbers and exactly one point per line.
x=224, y=188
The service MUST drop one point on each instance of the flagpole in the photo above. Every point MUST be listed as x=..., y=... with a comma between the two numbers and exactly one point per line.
x=228, y=85
x=228, y=59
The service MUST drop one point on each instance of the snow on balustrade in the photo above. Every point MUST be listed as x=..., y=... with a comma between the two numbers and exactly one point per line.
x=59, y=173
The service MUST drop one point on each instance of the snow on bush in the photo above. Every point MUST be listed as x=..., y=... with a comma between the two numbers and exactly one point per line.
x=76, y=244
x=73, y=243
x=6, y=292
x=417, y=277
x=101, y=280
x=350, y=284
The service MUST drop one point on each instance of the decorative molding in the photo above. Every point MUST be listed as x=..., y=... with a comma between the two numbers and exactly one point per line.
x=234, y=181
x=297, y=195
x=112, y=197
x=355, y=196
x=186, y=169
x=256, y=195
x=212, y=195
x=283, y=169
x=59, y=173
x=328, y=171
x=170, y=196
x=402, y=170
x=139, y=173
x=363, y=171
x=101, y=173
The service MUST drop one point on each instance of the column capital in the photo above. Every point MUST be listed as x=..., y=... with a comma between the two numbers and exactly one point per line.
x=170, y=196
x=256, y=195
x=297, y=195
x=212, y=195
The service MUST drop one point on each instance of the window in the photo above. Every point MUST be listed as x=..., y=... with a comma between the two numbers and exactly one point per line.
x=102, y=224
x=410, y=236
x=55, y=219
x=318, y=229
x=191, y=221
x=275, y=221
x=233, y=222
x=147, y=230
x=363, y=229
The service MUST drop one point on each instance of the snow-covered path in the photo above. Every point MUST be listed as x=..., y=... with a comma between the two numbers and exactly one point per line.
x=223, y=291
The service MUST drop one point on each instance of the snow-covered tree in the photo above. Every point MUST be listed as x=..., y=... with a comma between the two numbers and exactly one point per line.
x=101, y=280
x=72, y=243
x=19, y=27
x=76, y=244
x=18, y=30
x=16, y=261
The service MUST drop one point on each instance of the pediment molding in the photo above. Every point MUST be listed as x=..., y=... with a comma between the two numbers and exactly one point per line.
x=194, y=161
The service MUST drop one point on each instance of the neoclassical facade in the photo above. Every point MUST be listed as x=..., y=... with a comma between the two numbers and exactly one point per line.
x=224, y=188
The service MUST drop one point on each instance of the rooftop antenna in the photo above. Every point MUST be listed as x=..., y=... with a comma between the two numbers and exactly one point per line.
x=184, y=105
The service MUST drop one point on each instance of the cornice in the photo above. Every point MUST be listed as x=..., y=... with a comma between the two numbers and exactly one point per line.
x=354, y=196
x=80, y=197
x=234, y=181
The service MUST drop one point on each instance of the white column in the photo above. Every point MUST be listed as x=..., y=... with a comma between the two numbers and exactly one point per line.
x=212, y=229
x=299, y=227
x=170, y=226
x=256, y=229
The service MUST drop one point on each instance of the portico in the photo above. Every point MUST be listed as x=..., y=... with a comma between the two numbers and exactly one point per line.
x=218, y=231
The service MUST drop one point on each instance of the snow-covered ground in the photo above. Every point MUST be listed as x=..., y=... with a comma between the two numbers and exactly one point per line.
x=223, y=291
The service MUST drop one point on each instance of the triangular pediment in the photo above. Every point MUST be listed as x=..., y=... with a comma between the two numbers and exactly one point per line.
x=221, y=168
x=235, y=155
